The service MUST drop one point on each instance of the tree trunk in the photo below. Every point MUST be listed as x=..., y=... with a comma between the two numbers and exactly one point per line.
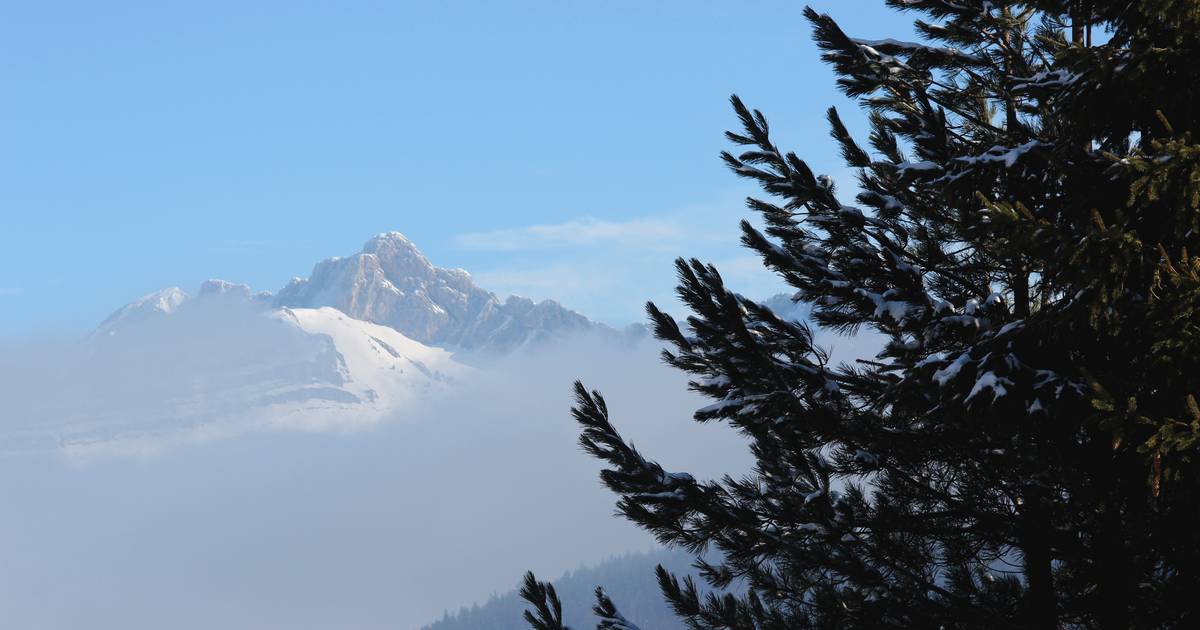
x=1039, y=598
x=1112, y=559
x=1036, y=526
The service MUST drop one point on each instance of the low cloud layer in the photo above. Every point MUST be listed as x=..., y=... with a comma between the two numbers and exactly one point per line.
x=441, y=505
x=202, y=371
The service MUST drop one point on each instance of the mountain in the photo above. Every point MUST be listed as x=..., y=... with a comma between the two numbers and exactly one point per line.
x=390, y=282
x=361, y=338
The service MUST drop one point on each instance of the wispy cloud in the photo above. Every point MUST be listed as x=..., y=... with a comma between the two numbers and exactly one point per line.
x=609, y=269
x=535, y=281
x=585, y=231
x=610, y=291
x=615, y=289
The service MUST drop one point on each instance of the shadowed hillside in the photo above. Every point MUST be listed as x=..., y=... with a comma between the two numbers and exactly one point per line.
x=628, y=579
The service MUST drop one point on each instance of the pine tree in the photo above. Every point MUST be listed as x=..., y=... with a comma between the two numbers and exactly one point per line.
x=1022, y=451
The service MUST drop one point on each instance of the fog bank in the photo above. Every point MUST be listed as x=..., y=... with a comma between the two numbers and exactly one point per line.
x=444, y=503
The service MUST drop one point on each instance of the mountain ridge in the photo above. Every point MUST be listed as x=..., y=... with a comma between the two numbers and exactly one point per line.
x=391, y=283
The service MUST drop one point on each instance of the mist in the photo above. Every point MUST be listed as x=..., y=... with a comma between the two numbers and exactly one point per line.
x=383, y=523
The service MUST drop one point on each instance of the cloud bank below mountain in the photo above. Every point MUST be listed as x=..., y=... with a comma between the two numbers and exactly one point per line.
x=381, y=527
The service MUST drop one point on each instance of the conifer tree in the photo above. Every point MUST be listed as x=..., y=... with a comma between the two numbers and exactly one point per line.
x=1022, y=451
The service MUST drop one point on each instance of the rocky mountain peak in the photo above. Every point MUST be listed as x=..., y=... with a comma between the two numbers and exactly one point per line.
x=399, y=257
x=390, y=282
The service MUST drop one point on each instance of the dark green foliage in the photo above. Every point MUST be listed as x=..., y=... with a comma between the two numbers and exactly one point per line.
x=610, y=617
x=547, y=609
x=1021, y=453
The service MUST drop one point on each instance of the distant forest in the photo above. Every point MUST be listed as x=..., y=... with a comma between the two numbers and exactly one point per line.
x=628, y=579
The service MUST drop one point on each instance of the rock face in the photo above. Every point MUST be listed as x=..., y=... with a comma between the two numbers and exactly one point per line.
x=390, y=282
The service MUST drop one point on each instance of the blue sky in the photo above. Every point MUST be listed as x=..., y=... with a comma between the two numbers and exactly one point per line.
x=555, y=149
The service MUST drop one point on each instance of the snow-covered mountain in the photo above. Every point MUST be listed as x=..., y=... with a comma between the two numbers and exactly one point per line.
x=363, y=337
x=390, y=282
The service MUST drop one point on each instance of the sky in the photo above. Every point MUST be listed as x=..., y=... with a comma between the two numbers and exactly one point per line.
x=554, y=149
x=563, y=150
